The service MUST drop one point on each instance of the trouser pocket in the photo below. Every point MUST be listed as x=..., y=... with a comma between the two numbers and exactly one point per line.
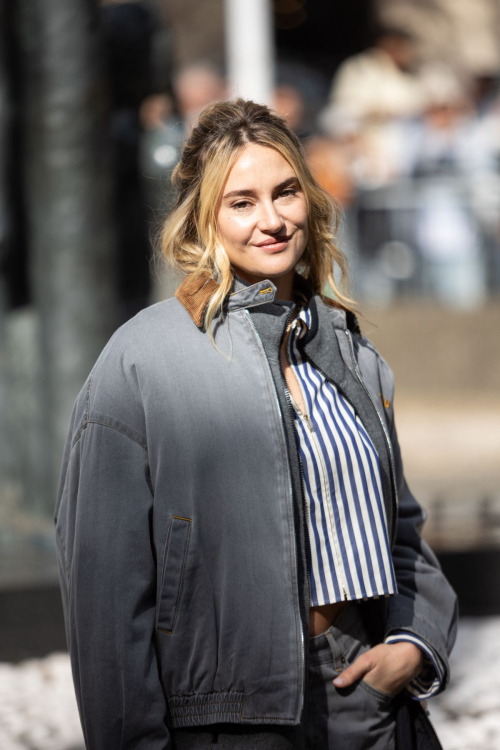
x=377, y=694
x=354, y=646
x=352, y=718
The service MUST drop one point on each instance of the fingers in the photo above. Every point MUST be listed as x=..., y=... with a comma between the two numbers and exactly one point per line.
x=355, y=672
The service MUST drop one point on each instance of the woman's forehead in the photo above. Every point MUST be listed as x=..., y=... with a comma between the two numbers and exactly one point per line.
x=258, y=164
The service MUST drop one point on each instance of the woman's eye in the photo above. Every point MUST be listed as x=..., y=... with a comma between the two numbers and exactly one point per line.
x=241, y=204
x=288, y=192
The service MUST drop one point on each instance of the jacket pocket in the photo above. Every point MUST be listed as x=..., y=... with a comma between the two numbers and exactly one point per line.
x=174, y=562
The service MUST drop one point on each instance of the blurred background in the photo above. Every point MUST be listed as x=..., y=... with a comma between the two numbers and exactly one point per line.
x=397, y=104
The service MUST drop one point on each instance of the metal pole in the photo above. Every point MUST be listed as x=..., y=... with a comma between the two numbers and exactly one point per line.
x=250, y=49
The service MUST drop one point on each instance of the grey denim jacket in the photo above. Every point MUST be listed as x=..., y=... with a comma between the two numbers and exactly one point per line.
x=180, y=521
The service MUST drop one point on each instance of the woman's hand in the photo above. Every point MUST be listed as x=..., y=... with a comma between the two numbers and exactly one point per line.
x=388, y=667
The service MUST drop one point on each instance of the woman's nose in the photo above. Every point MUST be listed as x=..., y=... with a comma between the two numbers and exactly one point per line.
x=270, y=220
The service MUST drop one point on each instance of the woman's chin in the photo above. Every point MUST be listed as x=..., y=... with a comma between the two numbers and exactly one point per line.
x=274, y=268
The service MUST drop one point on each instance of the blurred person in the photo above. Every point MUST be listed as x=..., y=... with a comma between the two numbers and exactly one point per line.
x=332, y=163
x=240, y=556
x=380, y=82
x=337, y=163
x=371, y=146
x=485, y=86
x=129, y=29
x=162, y=135
x=485, y=145
x=377, y=88
x=443, y=151
x=359, y=156
x=438, y=142
x=456, y=135
x=328, y=159
x=166, y=121
x=310, y=84
x=289, y=104
x=485, y=136
x=196, y=86
x=448, y=239
x=155, y=111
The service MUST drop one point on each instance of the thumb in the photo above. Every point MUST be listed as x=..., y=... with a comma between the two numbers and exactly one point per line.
x=355, y=672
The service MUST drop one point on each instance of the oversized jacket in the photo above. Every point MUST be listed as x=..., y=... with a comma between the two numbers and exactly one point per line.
x=180, y=519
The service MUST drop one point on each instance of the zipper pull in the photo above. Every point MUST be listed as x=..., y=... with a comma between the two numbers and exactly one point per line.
x=309, y=423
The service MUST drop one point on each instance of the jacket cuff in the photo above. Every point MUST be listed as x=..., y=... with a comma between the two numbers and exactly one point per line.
x=430, y=680
x=420, y=624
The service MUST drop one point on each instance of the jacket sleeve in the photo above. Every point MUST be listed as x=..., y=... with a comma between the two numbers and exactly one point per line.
x=428, y=682
x=107, y=574
x=426, y=604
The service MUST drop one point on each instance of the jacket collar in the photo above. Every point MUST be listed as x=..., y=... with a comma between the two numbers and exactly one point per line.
x=194, y=294
x=195, y=291
x=250, y=295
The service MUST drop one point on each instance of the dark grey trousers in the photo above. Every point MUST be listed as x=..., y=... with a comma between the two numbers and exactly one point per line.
x=355, y=718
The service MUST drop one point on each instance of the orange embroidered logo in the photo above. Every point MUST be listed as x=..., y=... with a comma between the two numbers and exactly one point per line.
x=385, y=401
x=266, y=291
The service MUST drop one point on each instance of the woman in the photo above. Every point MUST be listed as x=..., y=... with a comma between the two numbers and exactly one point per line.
x=240, y=555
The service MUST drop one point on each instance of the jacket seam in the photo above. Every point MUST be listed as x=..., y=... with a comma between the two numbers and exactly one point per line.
x=78, y=435
x=279, y=718
x=213, y=703
x=122, y=429
x=65, y=556
x=212, y=692
x=56, y=510
x=188, y=715
x=224, y=710
x=89, y=389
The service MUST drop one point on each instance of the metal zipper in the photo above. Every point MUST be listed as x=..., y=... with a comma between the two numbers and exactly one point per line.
x=305, y=417
x=311, y=427
x=306, y=525
x=304, y=503
x=382, y=423
x=290, y=487
x=308, y=422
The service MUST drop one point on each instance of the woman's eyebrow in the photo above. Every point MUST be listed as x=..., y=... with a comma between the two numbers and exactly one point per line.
x=249, y=191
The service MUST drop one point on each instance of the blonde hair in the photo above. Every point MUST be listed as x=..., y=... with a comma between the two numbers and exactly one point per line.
x=188, y=239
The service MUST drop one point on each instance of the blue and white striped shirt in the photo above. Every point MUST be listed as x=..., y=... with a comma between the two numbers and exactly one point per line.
x=350, y=557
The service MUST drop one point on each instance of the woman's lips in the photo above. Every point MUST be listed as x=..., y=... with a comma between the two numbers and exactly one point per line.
x=275, y=246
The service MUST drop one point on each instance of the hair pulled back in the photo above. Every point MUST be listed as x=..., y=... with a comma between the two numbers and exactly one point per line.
x=189, y=239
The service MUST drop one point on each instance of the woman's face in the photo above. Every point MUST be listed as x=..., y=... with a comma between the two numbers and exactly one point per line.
x=262, y=220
